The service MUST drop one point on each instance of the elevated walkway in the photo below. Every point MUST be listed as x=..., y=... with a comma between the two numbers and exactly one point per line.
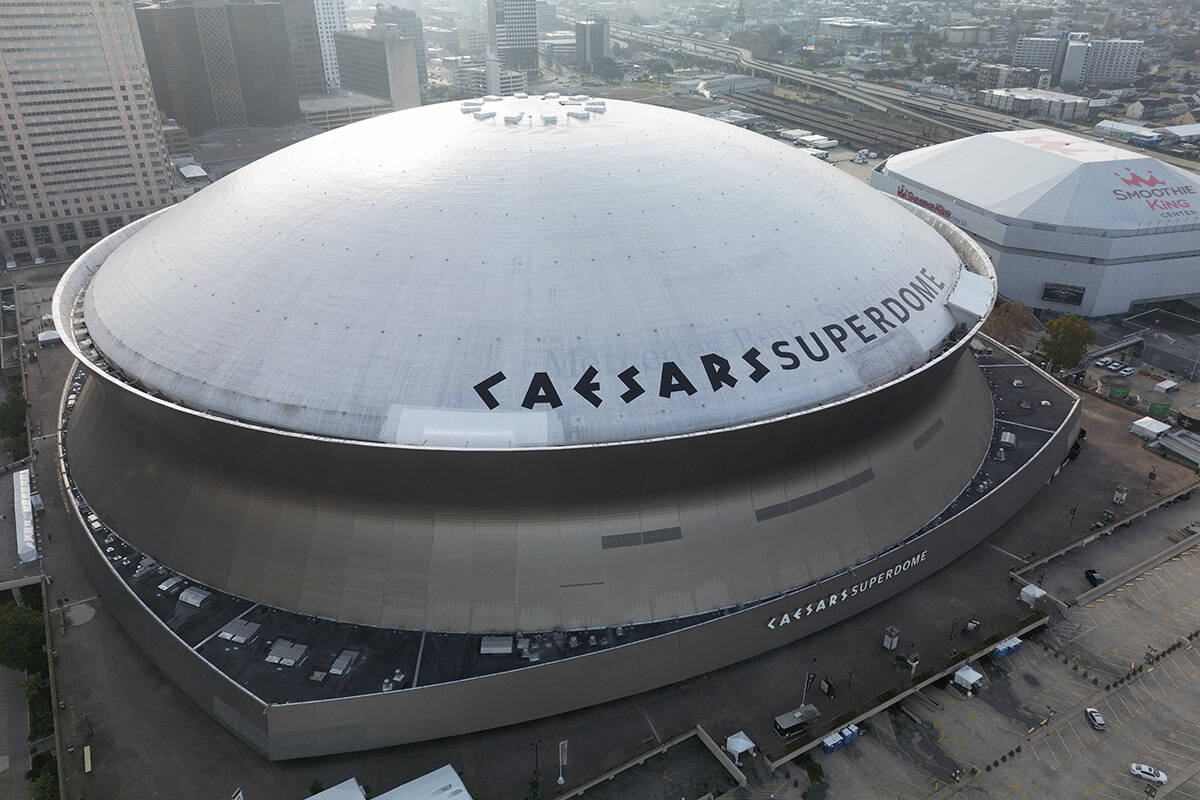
x=1133, y=340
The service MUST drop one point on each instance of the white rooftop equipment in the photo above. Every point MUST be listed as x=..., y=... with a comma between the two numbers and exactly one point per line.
x=286, y=653
x=239, y=631
x=195, y=596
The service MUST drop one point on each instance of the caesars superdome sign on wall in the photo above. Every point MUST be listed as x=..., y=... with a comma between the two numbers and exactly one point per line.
x=1167, y=199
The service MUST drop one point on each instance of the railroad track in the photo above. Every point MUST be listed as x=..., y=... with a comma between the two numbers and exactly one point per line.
x=844, y=126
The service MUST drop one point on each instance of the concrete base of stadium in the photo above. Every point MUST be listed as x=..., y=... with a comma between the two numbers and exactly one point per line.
x=285, y=730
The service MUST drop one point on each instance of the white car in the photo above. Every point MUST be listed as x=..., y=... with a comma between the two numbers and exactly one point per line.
x=1127, y=371
x=1102, y=362
x=1116, y=366
x=1147, y=773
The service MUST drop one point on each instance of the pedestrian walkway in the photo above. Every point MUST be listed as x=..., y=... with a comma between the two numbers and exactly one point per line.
x=14, y=734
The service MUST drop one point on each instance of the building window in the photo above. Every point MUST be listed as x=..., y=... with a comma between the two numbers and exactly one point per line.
x=41, y=234
x=114, y=224
x=91, y=229
x=67, y=231
x=16, y=238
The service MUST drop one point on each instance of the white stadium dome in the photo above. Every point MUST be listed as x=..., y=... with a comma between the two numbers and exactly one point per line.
x=477, y=275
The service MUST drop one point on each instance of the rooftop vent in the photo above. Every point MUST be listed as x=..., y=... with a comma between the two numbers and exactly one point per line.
x=286, y=653
x=549, y=119
x=484, y=114
x=239, y=631
x=514, y=119
x=195, y=597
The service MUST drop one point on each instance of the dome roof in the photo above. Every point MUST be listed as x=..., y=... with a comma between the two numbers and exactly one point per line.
x=1053, y=178
x=510, y=273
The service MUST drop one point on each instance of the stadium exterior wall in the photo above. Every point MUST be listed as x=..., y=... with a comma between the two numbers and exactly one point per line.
x=297, y=730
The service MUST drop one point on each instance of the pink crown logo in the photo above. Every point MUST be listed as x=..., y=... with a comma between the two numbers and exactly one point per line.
x=1134, y=179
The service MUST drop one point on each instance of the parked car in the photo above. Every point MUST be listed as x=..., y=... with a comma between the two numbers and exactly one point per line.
x=1147, y=773
x=1127, y=372
x=1094, y=577
x=1102, y=362
x=1095, y=719
x=1116, y=366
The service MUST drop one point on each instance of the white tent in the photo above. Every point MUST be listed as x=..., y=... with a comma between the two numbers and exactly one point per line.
x=737, y=744
x=48, y=337
x=1031, y=594
x=23, y=517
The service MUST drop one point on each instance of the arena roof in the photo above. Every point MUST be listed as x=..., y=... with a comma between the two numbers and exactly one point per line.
x=1054, y=178
x=522, y=272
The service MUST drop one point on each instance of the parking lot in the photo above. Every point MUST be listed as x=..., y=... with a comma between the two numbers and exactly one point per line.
x=1035, y=701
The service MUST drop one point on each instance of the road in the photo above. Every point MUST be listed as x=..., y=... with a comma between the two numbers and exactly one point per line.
x=1035, y=700
x=956, y=118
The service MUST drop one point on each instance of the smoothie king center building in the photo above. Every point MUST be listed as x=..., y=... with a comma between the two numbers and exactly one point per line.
x=480, y=412
x=1071, y=224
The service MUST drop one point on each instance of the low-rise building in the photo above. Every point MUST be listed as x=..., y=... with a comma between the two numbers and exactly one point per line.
x=1034, y=103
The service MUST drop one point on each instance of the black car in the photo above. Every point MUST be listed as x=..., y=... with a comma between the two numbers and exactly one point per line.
x=1094, y=577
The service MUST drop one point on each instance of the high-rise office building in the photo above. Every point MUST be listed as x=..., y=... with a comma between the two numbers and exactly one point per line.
x=547, y=17
x=380, y=63
x=82, y=144
x=217, y=64
x=304, y=42
x=331, y=18
x=512, y=28
x=407, y=23
x=1075, y=59
x=592, y=44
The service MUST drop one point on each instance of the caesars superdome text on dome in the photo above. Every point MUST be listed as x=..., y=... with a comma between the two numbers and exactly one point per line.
x=816, y=345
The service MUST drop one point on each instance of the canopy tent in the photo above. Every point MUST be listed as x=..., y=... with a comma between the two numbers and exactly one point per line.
x=737, y=744
x=23, y=517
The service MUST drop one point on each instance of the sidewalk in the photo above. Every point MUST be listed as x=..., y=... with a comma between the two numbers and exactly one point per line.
x=14, y=747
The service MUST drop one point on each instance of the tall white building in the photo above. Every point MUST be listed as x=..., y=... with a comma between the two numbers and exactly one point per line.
x=1112, y=61
x=1035, y=51
x=331, y=18
x=1074, y=59
x=82, y=145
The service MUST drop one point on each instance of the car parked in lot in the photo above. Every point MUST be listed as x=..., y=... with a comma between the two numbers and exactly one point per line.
x=1116, y=366
x=1094, y=578
x=1102, y=362
x=1127, y=371
x=1147, y=773
x=1095, y=719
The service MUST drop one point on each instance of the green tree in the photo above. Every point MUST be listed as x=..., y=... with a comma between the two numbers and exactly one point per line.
x=1066, y=340
x=659, y=66
x=12, y=415
x=45, y=785
x=609, y=71
x=1009, y=322
x=22, y=636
